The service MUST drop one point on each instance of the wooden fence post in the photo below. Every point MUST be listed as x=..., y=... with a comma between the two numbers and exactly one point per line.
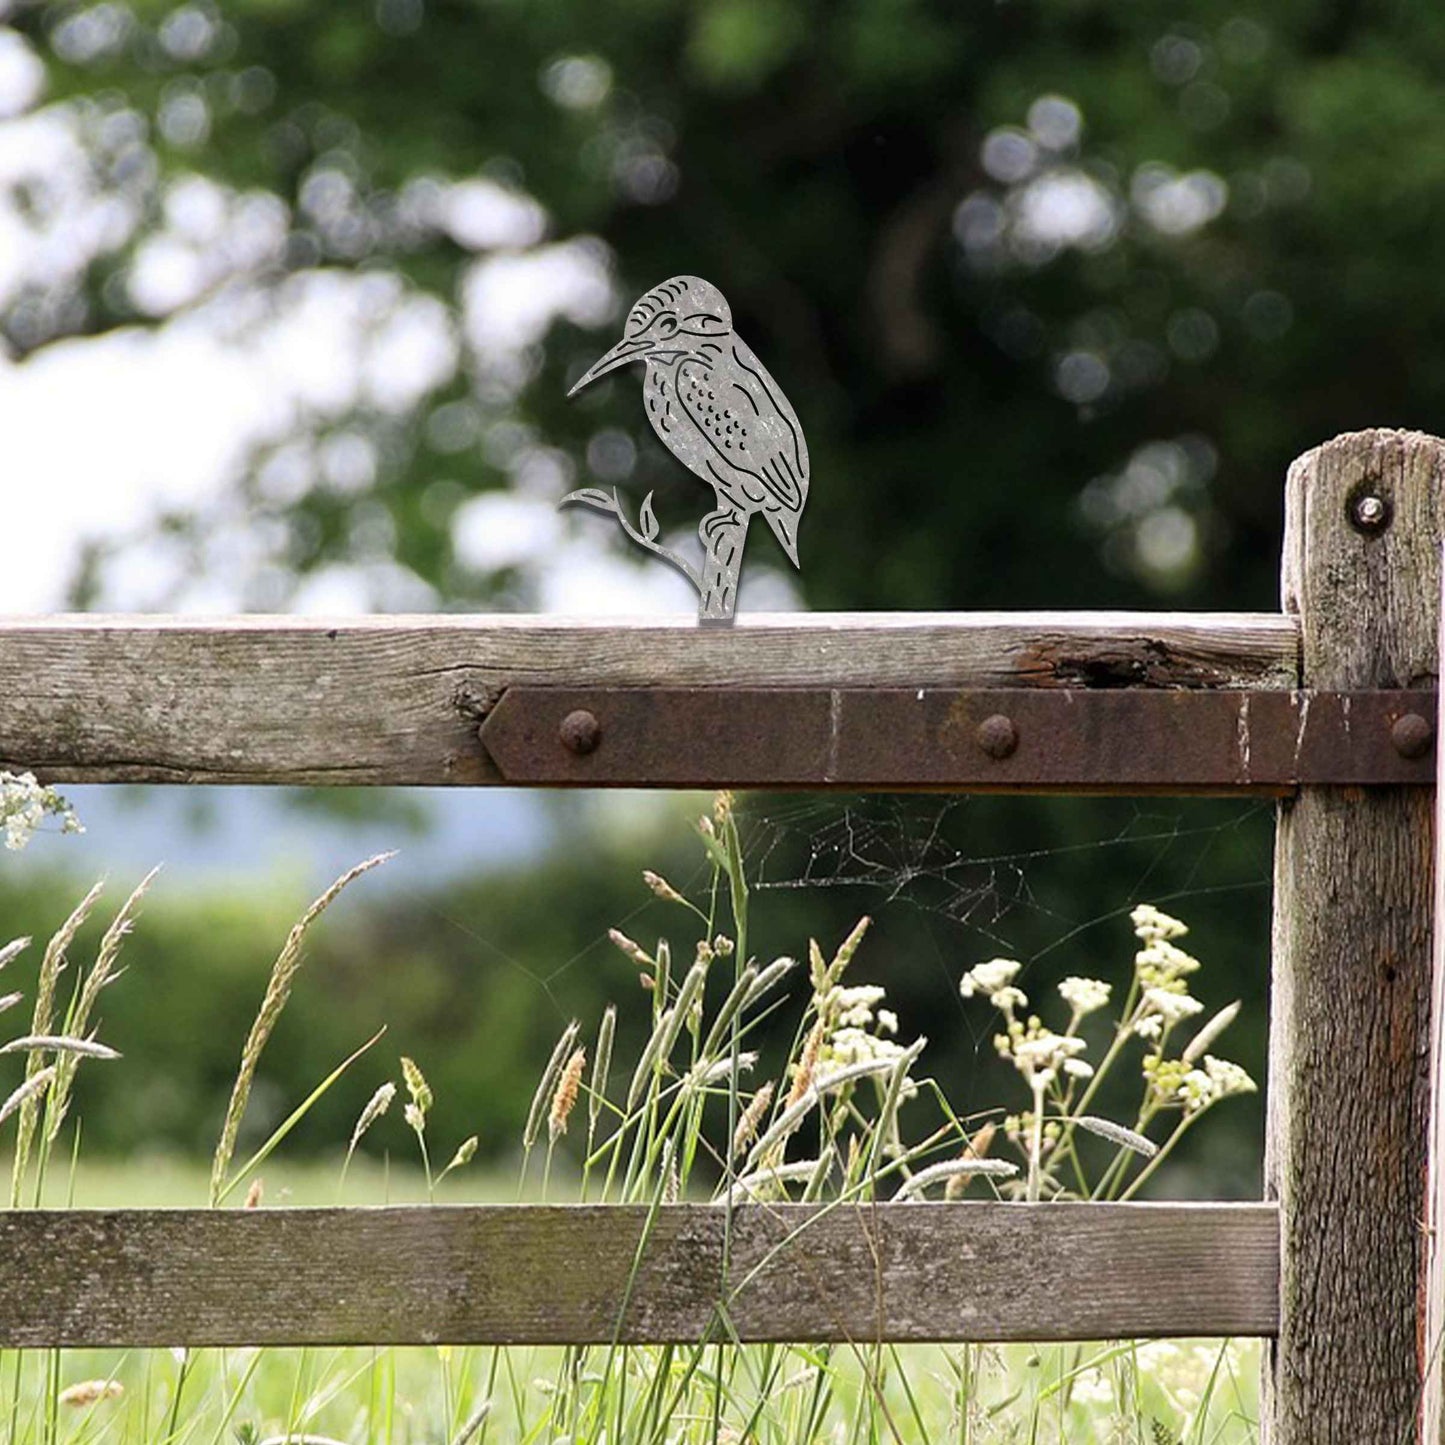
x=1349, y=1033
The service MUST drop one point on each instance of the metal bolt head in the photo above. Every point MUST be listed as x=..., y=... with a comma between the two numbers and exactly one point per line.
x=1369, y=513
x=997, y=736
x=1411, y=735
x=580, y=732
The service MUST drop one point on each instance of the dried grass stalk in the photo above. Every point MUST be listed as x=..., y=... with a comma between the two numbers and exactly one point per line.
x=28, y=1092
x=42, y=1023
x=64, y=1044
x=13, y=949
x=101, y=973
x=565, y=1098
x=542, y=1098
x=278, y=991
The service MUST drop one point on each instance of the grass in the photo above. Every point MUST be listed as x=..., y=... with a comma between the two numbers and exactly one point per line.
x=853, y=1115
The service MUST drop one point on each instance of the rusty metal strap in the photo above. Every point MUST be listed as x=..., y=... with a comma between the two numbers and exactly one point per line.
x=1016, y=740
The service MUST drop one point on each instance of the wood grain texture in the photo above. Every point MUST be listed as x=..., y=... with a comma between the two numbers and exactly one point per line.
x=1347, y=1107
x=396, y=700
x=1432, y=1404
x=393, y=700
x=549, y=1274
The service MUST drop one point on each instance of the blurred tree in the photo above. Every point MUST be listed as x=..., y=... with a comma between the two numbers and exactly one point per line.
x=1058, y=288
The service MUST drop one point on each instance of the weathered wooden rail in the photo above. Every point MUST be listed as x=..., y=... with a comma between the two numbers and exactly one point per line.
x=1331, y=705
x=498, y=1274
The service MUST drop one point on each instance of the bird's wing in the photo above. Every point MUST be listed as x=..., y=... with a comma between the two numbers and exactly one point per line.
x=751, y=434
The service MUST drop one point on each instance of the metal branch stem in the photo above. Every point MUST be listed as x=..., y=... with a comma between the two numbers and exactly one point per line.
x=666, y=553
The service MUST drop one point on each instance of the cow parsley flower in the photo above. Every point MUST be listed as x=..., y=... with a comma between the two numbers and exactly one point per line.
x=988, y=978
x=1084, y=995
x=1152, y=925
x=24, y=806
x=1170, y=1005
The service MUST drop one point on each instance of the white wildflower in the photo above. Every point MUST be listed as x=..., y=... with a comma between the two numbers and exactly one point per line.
x=857, y=1046
x=1148, y=1026
x=988, y=978
x=1161, y=962
x=1150, y=924
x=1228, y=1077
x=1046, y=1049
x=887, y=1021
x=1084, y=995
x=1078, y=1069
x=24, y=806
x=1009, y=998
x=1170, y=1006
x=853, y=1007
x=1197, y=1091
x=1218, y=1079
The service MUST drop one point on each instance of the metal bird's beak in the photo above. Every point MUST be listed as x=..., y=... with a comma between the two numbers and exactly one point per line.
x=628, y=349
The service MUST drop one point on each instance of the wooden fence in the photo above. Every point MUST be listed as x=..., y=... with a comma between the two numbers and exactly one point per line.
x=1331, y=705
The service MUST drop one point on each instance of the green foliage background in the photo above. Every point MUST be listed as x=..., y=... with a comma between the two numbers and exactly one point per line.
x=476, y=980
x=817, y=161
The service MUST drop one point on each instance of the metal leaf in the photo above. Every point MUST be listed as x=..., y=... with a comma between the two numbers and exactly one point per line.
x=647, y=519
x=590, y=497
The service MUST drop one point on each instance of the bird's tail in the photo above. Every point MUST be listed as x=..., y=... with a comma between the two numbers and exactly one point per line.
x=785, y=529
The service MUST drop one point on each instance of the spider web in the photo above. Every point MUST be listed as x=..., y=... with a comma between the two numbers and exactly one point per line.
x=1060, y=878
x=907, y=850
x=1066, y=895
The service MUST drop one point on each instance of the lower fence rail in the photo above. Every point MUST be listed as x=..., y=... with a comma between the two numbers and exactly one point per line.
x=590, y=1274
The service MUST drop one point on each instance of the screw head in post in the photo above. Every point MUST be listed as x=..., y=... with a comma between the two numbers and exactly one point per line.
x=580, y=732
x=1411, y=735
x=998, y=736
x=1369, y=513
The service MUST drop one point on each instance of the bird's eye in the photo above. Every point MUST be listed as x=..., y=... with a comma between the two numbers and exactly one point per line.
x=666, y=325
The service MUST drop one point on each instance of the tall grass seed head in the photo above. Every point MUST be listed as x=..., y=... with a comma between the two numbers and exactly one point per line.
x=416, y=1120
x=661, y=888
x=1211, y=1031
x=602, y=1062
x=751, y=1118
x=90, y=1392
x=807, y=1063
x=722, y=806
x=466, y=1151
x=847, y=949
x=376, y=1106
x=564, y=1100
x=633, y=950
x=416, y=1085
x=817, y=969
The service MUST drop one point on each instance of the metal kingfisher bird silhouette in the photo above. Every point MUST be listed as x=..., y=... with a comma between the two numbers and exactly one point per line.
x=717, y=410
